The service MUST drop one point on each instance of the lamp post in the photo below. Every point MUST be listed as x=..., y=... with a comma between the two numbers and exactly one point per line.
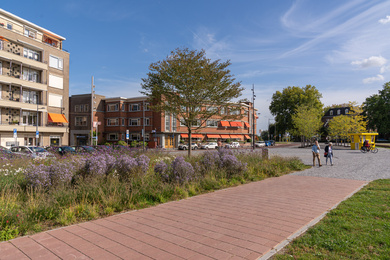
x=37, y=123
x=253, y=117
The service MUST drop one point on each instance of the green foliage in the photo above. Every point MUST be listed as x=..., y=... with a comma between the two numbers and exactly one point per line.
x=122, y=143
x=376, y=108
x=357, y=229
x=185, y=82
x=284, y=104
x=307, y=121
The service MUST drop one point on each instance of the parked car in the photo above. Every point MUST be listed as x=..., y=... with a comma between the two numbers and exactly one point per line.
x=31, y=151
x=5, y=150
x=260, y=144
x=211, y=145
x=233, y=145
x=270, y=143
x=84, y=149
x=194, y=146
x=62, y=150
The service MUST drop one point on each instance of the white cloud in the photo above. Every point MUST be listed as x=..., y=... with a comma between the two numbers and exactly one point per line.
x=385, y=20
x=373, y=61
x=384, y=69
x=373, y=79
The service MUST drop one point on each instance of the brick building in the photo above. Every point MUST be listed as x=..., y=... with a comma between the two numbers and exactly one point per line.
x=34, y=84
x=133, y=114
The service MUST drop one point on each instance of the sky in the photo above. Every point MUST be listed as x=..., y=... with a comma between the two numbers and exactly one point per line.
x=340, y=47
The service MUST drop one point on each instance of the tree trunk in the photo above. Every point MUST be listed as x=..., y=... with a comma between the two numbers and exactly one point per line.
x=189, y=143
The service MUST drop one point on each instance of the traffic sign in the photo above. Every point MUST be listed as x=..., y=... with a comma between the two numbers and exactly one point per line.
x=37, y=134
x=15, y=133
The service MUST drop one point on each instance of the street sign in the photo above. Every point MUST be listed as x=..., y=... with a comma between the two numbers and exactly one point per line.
x=37, y=134
x=127, y=134
x=15, y=133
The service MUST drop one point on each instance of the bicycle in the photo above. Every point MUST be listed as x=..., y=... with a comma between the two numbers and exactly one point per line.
x=368, y=149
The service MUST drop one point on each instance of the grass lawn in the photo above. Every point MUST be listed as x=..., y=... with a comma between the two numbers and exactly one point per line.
x=359, y=228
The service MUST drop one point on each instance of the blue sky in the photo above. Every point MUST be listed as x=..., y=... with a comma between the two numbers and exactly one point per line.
x=341, y=47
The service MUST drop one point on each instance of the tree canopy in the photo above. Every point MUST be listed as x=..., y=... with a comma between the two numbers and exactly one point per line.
x=307, y=121
x=377, y=110
x=285, y=104
x=191, y=88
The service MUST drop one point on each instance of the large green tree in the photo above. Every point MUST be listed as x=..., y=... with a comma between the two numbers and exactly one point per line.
x=307, y=122
x=284, y=104
x=377, y=110
x=192, y=88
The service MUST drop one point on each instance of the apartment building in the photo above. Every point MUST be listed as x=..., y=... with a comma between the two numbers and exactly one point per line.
x=80, y=118
x=133, y=115
x=34, y=84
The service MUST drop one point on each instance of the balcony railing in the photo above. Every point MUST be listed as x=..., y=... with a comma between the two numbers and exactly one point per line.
x=14, y=75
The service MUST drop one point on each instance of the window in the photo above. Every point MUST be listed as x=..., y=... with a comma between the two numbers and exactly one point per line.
x=55, y=100
x=123, y=107
x=146, y=137
x=123, y=121
x=134, y=122
x=86, y=108
x=338, y=111
x=167, y=123
x=1, y=45
x=235, y=111
x=134, y=137
x=81, y=108
x=9, y=26
x=223, y=110
x=76, y=108
x=30, y=97
x=56, y=81
x=30, y=75
x=212, y=123
x=30, y=33
x=29, y=118
x=331, y=112
x=147, y=106
x=112, y=137
x=112, y=107
x=147, y=121
x=31, y=54
x=346, y=111
x=135, y=107
x=182, y=123
x=212, y=109
x=81, y=121
x=56, y=62
x=112, y=121
x=174, y=123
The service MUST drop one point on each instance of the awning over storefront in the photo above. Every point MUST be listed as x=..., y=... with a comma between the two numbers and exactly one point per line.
x=236, y=124
x=225, y=136
x=213, y=136
x=246, y=124
x=57, y=118
x=237, y=136
x=192, y=136
x=247, y=137
x=225, y=123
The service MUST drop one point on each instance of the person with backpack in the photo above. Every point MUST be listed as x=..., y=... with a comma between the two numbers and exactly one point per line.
x=329, y=154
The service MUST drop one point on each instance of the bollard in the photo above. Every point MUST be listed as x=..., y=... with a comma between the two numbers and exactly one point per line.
x=264, y=153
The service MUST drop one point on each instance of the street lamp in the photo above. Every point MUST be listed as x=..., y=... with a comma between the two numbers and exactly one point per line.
x=37, y=123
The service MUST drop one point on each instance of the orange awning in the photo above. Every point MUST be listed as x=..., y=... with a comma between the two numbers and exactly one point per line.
x=4, y=39
x=225, y=136
x=236, y=124
x=197, y=136
x=57, y=118
x=246, y=124
x=184, y=135
x=213, y=136
x=247, y=137
x=224, y=123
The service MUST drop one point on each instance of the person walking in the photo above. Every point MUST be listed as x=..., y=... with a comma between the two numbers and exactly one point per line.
x=316, y=154
x=329, y=154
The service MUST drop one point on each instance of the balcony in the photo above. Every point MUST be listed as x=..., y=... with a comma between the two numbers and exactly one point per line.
x=15, y=80
x=16, y=104
x=9, y=56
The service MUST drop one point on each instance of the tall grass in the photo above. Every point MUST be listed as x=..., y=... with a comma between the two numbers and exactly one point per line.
x=41, y=195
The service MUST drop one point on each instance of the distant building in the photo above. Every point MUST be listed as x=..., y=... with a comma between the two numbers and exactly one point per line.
x=335, y=111
x=34, y=84
x=159, y=129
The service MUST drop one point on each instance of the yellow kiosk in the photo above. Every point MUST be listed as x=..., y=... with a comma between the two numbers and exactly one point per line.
x=357, y=140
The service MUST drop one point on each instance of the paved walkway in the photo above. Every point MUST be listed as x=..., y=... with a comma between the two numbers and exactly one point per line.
x=246, y=222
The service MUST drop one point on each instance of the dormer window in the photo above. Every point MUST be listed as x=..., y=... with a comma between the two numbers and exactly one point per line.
x=338, y=111
x=331, y=112
x=346, y=111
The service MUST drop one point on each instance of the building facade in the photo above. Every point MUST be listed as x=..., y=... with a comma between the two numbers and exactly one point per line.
x=115, y=117
x=34, y=84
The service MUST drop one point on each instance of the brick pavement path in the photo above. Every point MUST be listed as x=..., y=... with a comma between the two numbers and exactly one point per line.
x=244, y=222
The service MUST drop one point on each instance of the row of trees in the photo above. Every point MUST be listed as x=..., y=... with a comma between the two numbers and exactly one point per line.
x=299, y=112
